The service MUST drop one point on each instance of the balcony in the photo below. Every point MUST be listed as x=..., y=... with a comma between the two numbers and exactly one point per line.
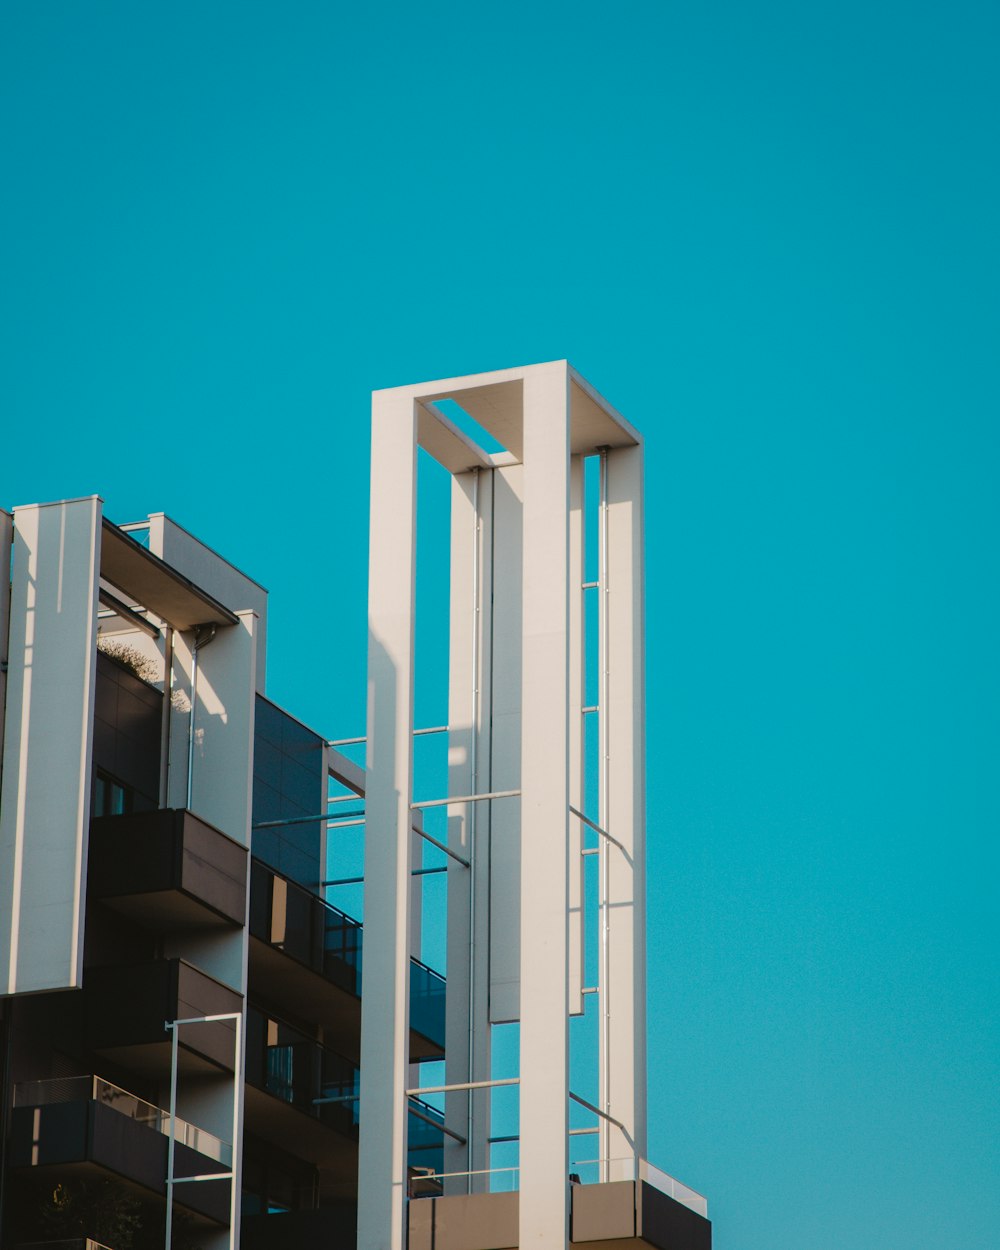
x=167, y=871
x=631, y=1215
x=305, y=957
x=326, y=1228
x=88, y=1125
x=297, y=1091
x=127, y=1005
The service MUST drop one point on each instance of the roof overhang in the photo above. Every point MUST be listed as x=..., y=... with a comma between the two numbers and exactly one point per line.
x=496, y=401
x=151, y=582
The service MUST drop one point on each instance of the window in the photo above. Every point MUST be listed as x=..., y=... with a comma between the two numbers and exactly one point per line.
x=110, y=797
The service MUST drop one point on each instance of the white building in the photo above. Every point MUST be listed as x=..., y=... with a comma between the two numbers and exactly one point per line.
x=194, y=1050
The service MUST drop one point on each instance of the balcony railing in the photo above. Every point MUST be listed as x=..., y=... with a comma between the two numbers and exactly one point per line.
x=292, y=919
x=427, y=1000
x=66, y=1243
x=293, y=1068
x=96, y=1089
x=317, y=1081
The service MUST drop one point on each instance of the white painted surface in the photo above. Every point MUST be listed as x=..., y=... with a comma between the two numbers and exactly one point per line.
x=209, y=571
x=179, y=719
x=506, y=683
x=6, y=538
x=222, y=775
x=624, y=1086
x=521, y=730
x=224, y=720
x=45, y=809
x=544, y=1191
x=385, y=976
x=577, y=688
x=469, y=828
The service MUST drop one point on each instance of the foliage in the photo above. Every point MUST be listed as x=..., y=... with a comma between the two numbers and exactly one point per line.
x=104, y=1210
x=129, y=656
x=101, y=1209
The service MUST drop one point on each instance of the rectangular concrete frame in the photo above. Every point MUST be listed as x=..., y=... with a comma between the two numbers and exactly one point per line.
x=48, y=727
x=547, y=417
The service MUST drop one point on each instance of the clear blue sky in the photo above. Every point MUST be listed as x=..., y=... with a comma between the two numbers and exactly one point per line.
x=768, y=233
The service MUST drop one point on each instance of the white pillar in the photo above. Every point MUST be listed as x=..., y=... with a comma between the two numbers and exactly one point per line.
x=623, y=1053
x=467, y=1033
x=6, y=538
x=577, y=741
x=386, y=965
x=505, y=742
x=544, y=1190
x=45, y=812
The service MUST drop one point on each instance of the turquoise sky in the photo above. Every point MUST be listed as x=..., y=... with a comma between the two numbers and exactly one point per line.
x=768, y=233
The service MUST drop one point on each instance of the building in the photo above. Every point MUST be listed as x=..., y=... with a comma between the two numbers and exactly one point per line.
x=198, y=1048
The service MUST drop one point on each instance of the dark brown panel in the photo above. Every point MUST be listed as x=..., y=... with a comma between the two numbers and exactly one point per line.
x=602, y=1212
x=167, y=869
x=128, y=1005
x=90, y=1132
x=465, y=1222
x=669, y=1225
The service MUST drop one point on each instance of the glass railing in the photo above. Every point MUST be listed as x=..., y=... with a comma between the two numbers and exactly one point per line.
x=67, y=1243
x=291, y=918
x=96, y=1089
x=288, y=916
x=427, y=998
x=289, y=1066
x=425, y=1136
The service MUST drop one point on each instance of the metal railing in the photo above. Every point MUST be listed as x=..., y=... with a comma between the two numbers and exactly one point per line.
x=97, y=1089
x=429, y=1183
x=68, y=1243
x=291, y=918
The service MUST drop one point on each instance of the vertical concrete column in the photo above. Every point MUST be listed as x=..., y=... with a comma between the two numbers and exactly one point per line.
x=577, y=682
x=385, y=977
x=505, y=744
x=544, y=1191
x=467, y=1026
x=623, y=1062
x=6, y=538
x=48, y=730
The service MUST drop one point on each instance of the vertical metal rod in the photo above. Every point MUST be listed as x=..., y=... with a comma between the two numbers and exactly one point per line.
x=237, y=1143
x=194, y=695
x=199, y=642
x=168, y=672
x=171, y=1138
x=605, y=774
x=472, y=809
